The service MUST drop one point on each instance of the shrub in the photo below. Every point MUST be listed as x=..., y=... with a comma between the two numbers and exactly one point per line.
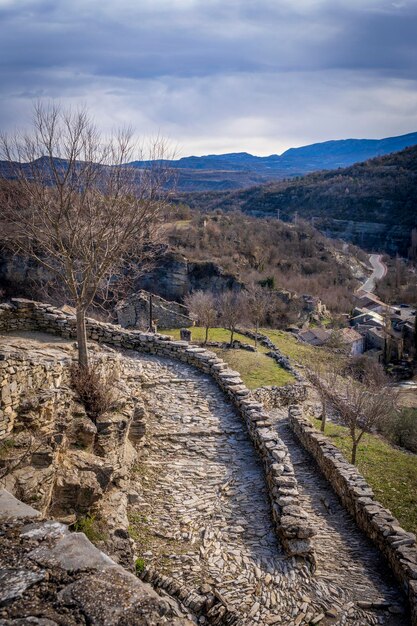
x=94, y=388
x=139, y=565
x=402, y=429
x=90, y=527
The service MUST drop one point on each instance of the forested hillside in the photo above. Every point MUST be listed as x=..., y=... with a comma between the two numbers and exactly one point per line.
x=373, y=203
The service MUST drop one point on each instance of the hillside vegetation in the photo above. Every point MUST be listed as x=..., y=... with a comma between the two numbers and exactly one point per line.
x=381, y=192
x=292, y=257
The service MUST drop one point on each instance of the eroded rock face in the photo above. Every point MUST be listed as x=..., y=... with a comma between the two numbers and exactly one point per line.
x=50, y=577
x=175, y=276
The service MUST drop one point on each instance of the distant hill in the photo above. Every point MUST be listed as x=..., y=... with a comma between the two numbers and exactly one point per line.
x=241, y=169
x=372, y=204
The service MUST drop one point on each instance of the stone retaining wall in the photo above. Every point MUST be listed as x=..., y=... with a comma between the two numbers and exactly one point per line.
x=273, y=397
x=291, y=521
x=26, y=379
x=398, y=546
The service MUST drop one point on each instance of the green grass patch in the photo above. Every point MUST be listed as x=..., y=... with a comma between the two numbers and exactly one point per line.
x=140, y=565
x=303, y=353
x=91, y=527
x=392, y=473
x=222, y=335
x=256, y=369
x=5, y=447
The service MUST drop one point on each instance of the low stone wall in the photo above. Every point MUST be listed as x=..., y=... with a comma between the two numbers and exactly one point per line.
x=22, y=379
x=273, y=397
x=398, y=546
x=291, y=521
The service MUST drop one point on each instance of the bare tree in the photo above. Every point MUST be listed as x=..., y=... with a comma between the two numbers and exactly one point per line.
x=258, y=303
x=363, y=405
x=203, y=306
x=83, y=215
x=232, y=310
x=324, y=381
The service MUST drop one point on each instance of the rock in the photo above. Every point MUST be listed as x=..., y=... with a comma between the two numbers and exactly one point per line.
x=15, y=581
x=12, y=509
x=74, y=552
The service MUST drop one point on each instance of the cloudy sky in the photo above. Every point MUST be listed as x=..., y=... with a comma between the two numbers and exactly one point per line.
x=217, y=75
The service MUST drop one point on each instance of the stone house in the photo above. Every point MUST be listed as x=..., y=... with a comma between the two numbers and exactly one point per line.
x=353, y=339
x=315, y=336
x=390, y=343
x=134, y=312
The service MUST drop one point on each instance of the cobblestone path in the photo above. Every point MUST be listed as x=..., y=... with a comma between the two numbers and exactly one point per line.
x=203, y=514
x=344, y=555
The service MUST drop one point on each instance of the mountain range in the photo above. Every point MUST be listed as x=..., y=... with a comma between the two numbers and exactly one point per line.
x=241, y=169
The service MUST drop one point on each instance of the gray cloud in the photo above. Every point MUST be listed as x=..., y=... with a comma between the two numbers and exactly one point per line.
x=217, y=76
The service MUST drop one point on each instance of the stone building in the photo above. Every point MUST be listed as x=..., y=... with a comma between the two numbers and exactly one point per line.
x=134, y=312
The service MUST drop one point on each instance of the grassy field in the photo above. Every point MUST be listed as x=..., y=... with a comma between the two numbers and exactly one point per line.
x=391, y=472
x=301, y=352
x=255, y=368
x=215, y=334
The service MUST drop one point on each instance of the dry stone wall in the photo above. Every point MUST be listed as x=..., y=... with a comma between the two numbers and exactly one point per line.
x=291, y=521
x=273, y=397
x=398, y=546
x=27, y=380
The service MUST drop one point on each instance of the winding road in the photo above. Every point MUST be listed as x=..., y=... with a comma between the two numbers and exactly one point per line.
x=379, y=271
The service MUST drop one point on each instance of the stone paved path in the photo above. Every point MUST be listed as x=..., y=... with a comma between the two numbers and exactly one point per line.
x=344, y=554
x=203, y=514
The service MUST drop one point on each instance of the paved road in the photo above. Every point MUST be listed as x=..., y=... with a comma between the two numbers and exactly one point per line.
x=379, y=271
x=205, y=515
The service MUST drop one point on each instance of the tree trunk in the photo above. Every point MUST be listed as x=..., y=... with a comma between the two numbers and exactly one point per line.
x=232, y=332
x=82, y=339
x=206, y=339
x=415, y=339
x=256, y=335
x=323, y=415
x=354, y=449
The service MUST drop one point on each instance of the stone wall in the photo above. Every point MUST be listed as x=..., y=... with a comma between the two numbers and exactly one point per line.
x=25, y=380
x=273, y=397
x=291, y=521
x=134, y=312
x=398, y=546
x=52, y=454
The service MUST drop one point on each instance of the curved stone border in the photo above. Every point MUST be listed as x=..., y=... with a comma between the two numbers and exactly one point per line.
x=397, y=545
x=210, y=605
x=291, y=521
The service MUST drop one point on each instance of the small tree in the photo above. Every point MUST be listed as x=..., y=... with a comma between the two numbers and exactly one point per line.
x=231, y=306
x=82, y=214
x=323, y=381
x=364, y=405
x=258, y=303
x=203, y=306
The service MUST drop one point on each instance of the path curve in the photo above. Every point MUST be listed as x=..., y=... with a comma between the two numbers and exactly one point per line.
x=203, y=513
x=379, y=270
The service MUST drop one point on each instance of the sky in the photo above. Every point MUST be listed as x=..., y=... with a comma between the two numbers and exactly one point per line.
x=215, y=76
